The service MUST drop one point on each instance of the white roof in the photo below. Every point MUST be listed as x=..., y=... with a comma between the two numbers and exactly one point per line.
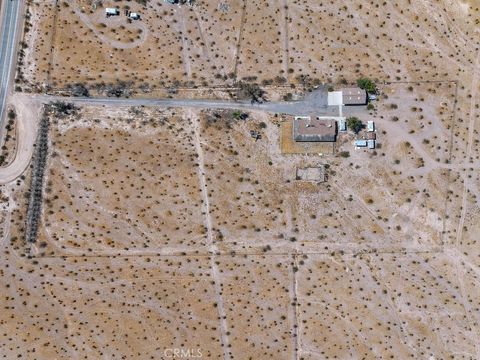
x=111, y=10
x=371, y=126
x=335, y=98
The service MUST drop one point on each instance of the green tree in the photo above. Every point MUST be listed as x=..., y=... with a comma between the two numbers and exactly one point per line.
x=367, y=84
x=355, y=124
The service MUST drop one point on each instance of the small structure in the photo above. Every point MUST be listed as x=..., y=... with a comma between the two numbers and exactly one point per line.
x=314, y=129
x=361, y=143
x=342, y=125
x=354, y=96
x=112, y=12
x=371, y=136
x=335, y=98
x=371, y=144
x=134, y=16
x=371, y=126
x=315, y=174
x=255, y=134
x=187, y=2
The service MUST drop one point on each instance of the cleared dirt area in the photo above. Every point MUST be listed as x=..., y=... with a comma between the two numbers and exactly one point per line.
x=124, y=177
x=216, y=43
x=382, y=306
x=164, y=229
x=352, y=267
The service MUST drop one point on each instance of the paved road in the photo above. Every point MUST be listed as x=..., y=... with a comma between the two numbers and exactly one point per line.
x=29, y=106
x=8, y=36
x=314, y=103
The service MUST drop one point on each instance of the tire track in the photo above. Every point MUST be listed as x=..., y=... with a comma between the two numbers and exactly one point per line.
x=210, y=238
x=239, y=42
x=471, y=132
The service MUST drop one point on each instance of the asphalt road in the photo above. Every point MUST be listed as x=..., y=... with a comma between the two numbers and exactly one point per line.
x=315, y=103
x=8, y=35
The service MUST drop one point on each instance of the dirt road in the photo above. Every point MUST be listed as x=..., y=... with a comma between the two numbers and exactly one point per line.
x=28, y=114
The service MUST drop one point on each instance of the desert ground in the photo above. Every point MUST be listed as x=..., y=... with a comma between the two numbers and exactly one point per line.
x=215, y=44
x=162, y=228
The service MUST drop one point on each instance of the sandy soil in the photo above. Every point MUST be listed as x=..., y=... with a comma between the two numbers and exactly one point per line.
x=170, y=228
x=215, y=43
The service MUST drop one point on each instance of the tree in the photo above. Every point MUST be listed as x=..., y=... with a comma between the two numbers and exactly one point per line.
x=367, y=84
x=251, y=91
x=355, y=124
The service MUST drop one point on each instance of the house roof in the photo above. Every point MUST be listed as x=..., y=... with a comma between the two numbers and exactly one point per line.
x=314, y=129
x=354, y=96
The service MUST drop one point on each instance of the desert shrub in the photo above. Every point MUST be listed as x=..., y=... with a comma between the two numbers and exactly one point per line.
x=355, y=124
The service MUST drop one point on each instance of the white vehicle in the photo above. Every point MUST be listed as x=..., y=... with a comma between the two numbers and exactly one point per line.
x=134, y=16
x=112, y=12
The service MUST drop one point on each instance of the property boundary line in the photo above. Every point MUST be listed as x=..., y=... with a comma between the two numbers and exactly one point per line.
x=239, y=42
x=286, y=38
x=450, y=146
x=232, y=253
x=52, y=42
x=449, y=171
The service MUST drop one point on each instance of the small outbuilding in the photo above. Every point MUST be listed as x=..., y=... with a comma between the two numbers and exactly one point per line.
x=354, y=96
x=371, y=126
x=342, y=125
x=335, y=98
x=314, y=129
x=361, y=143
x=371, y=144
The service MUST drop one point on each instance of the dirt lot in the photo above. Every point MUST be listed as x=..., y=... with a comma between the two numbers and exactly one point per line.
x=105, y=196
x=244, y=228
x=104, y=184
x=175, y=229
x=215, y=43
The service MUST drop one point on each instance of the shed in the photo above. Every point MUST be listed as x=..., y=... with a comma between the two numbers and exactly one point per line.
x=354, y=96
x=112, y=11
x=361, y=143
x=342, y=125
x=314, y=129
x=371, y=144
x=371, y=126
